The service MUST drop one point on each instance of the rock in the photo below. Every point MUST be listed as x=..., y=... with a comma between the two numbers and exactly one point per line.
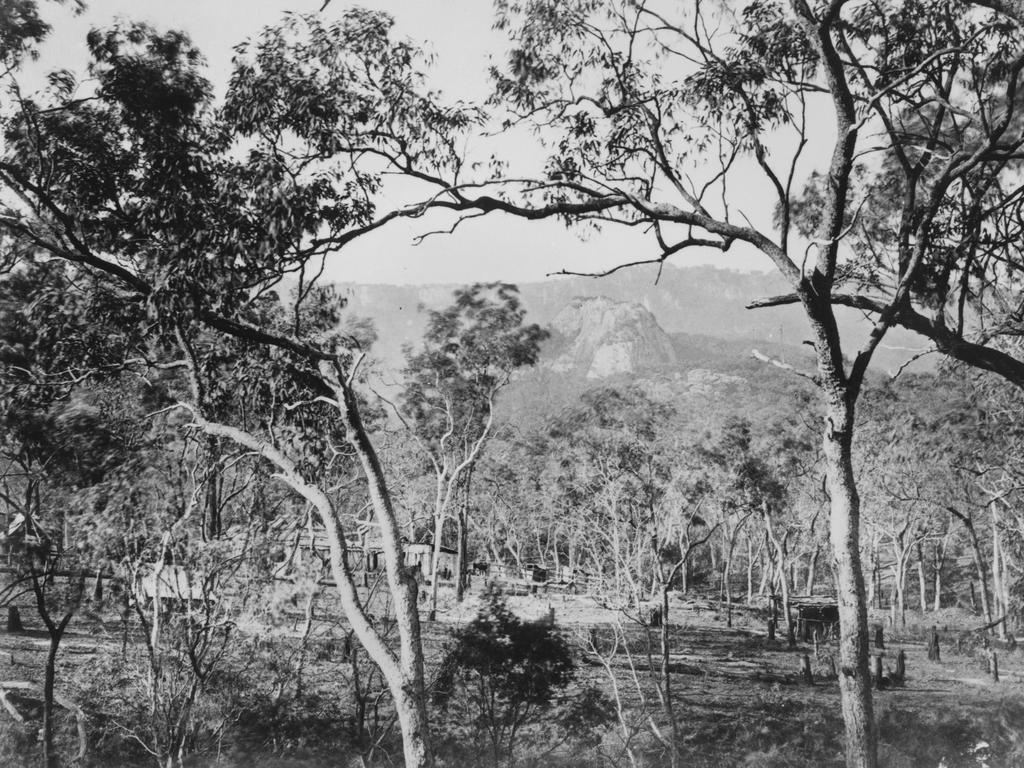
x=607, y=338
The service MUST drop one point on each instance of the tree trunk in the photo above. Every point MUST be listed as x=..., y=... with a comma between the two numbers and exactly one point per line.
x=211, y=523
x=844, y=526
x=666, y=678
x=873, y=562
x=460, y=555
x=782, y=572
x=899, y=586
x=765, y=569
x=49, y=757
x=403, y=671
x=49, y=677
x=812, y=568
x=998, y=576
x=938, y=554
x=876, y=582
x=979, y=563
x=922, y=582
x=728, y=588
x=408, y=688
x=750, y=571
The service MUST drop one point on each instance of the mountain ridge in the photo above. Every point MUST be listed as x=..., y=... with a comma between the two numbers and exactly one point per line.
x=699, y=301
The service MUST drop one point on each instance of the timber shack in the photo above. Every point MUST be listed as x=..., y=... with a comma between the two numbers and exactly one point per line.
x=815, y=614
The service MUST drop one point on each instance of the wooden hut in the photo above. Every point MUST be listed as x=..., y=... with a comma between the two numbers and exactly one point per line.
x=815, y=614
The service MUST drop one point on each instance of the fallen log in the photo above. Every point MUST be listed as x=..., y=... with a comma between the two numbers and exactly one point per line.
x=63, y=701
x=83, y=734
x=990, y=625
x=9, y=706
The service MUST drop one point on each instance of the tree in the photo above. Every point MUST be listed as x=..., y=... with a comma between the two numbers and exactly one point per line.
x=628, y=126
x=504, y=676
x=62, y=433
x=470, y=351
x=744, y=485
x=138, y=187
x=620, y=463
x=964, y=209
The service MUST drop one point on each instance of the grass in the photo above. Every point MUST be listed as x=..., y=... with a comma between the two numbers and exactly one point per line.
x=739, y=698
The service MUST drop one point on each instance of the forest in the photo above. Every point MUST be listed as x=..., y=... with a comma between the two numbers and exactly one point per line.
x=239, y=528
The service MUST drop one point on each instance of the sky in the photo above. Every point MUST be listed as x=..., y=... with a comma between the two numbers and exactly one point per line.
x=459, y=34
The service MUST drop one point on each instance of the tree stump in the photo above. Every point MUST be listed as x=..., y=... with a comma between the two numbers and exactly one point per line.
x=14, y=619
x=933, y=645
x=1011, y=642
x=993, y=665
x=879, y=638
x=656, y=617
x=805, y=668
x=901, y=668
x=878, y=672
x=791, y=634
x=771, y=630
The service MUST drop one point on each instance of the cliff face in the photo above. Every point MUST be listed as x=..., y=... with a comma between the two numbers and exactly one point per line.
x=601, y=338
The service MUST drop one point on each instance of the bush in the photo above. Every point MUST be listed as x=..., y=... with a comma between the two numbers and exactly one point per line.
x=505, y=677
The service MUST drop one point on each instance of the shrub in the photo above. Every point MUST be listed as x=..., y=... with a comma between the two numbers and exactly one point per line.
x=505, y=676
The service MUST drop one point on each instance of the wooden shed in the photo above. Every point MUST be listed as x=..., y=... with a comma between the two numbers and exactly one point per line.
x=422, y=555
x=816, y=613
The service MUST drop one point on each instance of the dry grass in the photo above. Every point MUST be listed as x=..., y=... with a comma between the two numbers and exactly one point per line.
x=739, y=698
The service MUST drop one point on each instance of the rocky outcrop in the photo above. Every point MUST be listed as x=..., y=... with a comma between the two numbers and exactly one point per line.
x=600, y=337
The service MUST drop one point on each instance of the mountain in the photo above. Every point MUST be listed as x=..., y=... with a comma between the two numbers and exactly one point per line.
x=601, y=338
x=599, y=342
x=702, y=302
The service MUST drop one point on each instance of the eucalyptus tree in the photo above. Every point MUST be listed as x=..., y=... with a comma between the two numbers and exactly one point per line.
x=621, y=464
x=654, y=111
x=63, y=432
x=745, y=486
x=191, y=214
x=470, y=351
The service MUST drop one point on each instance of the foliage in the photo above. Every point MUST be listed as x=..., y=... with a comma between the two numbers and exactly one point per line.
x=470, y=351
x=506, y=678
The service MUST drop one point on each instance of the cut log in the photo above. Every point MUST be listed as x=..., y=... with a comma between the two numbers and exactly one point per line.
x=16, y=685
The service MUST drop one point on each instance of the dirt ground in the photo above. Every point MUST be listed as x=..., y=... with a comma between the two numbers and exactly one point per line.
x=741, y=698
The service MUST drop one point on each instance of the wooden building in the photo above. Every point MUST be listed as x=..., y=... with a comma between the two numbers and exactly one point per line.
x=815, y=614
